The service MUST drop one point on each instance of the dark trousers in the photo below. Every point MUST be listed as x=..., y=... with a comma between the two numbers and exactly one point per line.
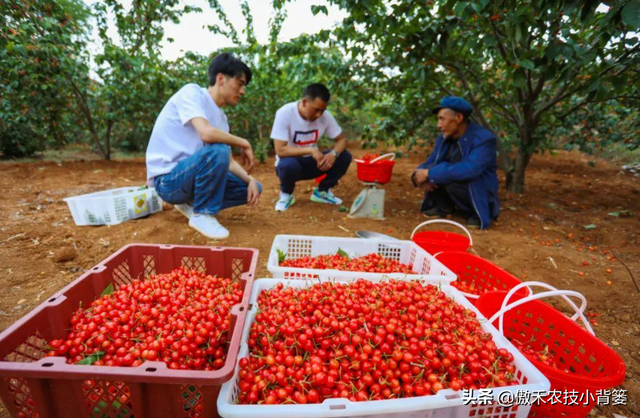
x=451, y=197
x=293, y=169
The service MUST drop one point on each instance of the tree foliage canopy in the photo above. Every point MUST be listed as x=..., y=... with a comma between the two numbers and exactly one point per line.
x=535, y=70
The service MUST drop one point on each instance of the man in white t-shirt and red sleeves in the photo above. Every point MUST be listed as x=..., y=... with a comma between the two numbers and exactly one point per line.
x=296, y=130
x=189, y=159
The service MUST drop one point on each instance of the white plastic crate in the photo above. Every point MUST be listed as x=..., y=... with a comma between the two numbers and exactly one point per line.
x=111, y=207
x=446, y=403
x=424, y=265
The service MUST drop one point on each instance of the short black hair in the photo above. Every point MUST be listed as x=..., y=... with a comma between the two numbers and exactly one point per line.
x=229, y=65
x=317, y=90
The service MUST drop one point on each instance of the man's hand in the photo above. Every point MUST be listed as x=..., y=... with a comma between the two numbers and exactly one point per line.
x=317, y=155
x=253, y=194
x=428, y=186
x=248, y=159
x=421, y=176
x=327, y=161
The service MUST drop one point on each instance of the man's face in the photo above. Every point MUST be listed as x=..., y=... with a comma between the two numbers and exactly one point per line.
x=232, y=88
x=449, y=121
x=313, y=109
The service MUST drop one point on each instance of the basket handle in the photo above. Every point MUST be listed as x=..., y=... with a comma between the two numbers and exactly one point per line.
x=506, y=306
x=391, y=154
x=444, y=221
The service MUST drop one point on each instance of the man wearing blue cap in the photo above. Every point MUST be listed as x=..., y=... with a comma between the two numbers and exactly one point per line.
x=460, y=175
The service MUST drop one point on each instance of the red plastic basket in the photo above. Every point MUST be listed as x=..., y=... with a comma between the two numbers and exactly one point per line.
x=477, y=273
x=33, y=385
x=377, y=170
x=434, y=242
x=592, y=364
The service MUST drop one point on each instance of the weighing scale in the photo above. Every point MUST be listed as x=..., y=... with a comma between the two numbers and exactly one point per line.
x=369, y=203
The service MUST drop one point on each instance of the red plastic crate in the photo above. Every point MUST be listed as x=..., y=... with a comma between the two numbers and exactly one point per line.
x=32, y=385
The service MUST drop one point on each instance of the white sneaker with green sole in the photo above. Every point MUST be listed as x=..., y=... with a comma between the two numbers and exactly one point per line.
x=325, y=197
x=285, y=201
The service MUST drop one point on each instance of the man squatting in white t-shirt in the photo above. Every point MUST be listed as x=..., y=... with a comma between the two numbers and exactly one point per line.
x=189, y=157
x=296, y=130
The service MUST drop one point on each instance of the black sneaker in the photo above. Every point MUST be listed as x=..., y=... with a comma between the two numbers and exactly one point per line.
x=435, y=212
x=473, y=222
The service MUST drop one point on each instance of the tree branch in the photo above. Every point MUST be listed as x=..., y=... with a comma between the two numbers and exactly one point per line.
x=585, y=102
x=560, y=94
x=501, y=47
x=231, y=31
x=84, y=107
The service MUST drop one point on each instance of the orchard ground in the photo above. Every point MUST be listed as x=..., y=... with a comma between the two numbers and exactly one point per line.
x=540, y=235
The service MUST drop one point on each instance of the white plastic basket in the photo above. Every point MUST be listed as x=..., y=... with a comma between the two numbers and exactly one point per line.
x=446, y=403
x=111, y=207
x=424, y=265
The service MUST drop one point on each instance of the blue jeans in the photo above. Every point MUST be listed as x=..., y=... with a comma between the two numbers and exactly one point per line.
x=204, y=180
x=293, y=169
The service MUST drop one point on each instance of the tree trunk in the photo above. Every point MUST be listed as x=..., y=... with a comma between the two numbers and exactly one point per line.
x=107, y=141
x=515, y=178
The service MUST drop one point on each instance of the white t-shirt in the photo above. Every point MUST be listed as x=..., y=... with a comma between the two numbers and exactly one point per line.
x=291, y=127
x=173, y=137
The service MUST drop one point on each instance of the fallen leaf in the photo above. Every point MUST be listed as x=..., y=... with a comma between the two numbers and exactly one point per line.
x=614, y=342
x=21, y=301
x=590, y=226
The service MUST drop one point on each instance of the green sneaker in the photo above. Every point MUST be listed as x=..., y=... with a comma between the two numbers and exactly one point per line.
x=325, y=197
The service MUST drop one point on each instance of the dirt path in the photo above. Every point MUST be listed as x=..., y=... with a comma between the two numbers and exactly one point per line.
x=540, y=235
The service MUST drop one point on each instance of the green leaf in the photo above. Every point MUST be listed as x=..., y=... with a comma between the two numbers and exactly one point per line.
x=459, y=7
x=590, y=226
x=529, y=65
x=107, y=290
x=518, y=37
x=343, y=208
x=342, y=253
x=281, y=256
x=616, y=214
x=631, y=14
x=319, y=9
x=92, y=358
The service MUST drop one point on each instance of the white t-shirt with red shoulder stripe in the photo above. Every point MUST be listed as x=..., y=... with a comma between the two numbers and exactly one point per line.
x=291, y=127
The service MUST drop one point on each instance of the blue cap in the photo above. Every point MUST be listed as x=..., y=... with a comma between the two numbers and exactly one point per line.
x=458, y=104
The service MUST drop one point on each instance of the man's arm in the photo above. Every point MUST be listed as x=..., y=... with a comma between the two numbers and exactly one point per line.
x=328, y=160
x=421, y=175
x=253, y=195
x=283, y=150
x=481, y=157
x=212, y=135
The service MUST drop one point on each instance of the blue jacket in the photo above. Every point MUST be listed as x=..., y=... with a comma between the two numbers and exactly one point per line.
x=478, y=167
